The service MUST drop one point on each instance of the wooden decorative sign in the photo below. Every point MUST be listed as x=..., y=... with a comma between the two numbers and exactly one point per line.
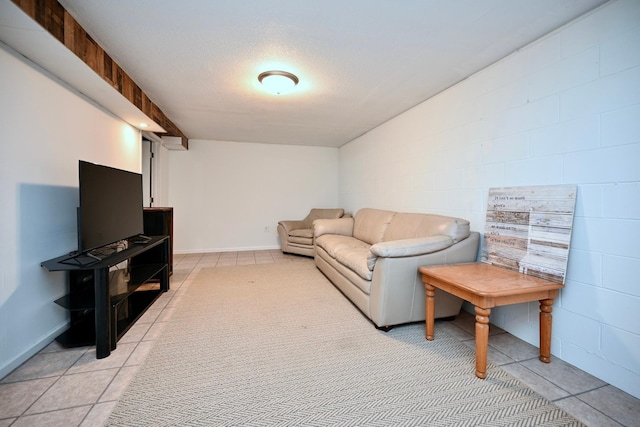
x=528, y=229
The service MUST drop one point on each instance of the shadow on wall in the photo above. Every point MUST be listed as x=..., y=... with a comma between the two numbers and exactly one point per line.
x=46, y=227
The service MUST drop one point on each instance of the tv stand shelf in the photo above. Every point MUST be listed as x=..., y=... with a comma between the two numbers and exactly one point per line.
x=105, y=298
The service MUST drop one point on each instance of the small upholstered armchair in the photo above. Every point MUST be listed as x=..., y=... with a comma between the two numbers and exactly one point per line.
x=296, y=236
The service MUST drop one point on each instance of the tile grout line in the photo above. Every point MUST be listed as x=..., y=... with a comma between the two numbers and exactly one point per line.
x=577, y=396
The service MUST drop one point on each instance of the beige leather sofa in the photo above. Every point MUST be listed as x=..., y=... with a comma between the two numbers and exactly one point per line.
x=373, y=258
x=296, y=236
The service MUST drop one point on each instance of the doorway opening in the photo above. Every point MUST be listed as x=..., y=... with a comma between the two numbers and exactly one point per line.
x=148, y=157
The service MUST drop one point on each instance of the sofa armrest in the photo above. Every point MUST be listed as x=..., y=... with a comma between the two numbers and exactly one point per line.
x=291, y=225
x=342, y=226
x=411, y=247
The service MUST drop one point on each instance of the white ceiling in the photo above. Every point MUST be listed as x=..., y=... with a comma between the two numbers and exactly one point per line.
x=360, y=62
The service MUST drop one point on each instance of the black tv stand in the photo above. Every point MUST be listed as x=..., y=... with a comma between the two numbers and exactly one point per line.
x=80, y=260
x=106, y=297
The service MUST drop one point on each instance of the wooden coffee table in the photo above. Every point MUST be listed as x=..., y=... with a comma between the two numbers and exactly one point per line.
x=487, y=286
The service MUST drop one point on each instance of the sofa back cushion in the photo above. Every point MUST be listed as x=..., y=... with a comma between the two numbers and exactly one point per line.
x=317, y=213
x=413, y=225
x=370, y=224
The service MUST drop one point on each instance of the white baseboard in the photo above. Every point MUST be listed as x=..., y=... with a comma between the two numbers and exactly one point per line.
x=212, y=250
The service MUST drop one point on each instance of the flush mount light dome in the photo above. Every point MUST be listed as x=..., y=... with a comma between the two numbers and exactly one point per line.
x=278, y=82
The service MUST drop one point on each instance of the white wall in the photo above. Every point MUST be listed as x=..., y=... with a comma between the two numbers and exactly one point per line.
x=160, y=175
x=45, y=130
x=225, y=193
x=564, y=110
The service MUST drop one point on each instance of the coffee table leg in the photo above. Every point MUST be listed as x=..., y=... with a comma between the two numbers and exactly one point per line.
x=545, y=329
x=482, y=340
x=430, y=308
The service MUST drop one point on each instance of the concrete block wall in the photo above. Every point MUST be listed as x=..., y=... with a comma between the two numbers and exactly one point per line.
x=563, y=110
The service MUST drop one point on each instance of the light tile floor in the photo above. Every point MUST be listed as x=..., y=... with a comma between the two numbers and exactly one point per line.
x=70, y=387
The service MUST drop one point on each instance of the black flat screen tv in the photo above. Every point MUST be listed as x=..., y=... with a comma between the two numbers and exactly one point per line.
x=111, y=206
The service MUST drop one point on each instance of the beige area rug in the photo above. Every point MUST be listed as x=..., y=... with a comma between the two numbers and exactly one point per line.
x=277, y=344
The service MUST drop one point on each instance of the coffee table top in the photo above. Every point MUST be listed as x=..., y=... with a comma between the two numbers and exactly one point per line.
x=487, y=283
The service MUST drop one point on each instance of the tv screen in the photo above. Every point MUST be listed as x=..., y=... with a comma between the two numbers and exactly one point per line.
x=111, y=206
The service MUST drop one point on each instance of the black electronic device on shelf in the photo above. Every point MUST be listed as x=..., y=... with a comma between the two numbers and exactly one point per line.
x=111, y=206
x=110, y=211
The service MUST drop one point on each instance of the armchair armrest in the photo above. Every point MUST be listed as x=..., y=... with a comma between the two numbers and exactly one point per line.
x=411, y=247
x=290, y=225
x=343, y=226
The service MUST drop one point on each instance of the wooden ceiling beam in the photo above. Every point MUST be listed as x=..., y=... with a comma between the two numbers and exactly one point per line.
x=52, y=16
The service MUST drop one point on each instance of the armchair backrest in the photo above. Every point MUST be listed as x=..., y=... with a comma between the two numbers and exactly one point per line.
x=317, y=213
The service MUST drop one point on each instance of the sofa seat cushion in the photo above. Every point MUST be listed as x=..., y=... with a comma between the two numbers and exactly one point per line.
x=302, y=232
x=334, y=243
x=348, y=274
x=356, y=259
x=350, y=252
x=301, y=240
x=303, y=236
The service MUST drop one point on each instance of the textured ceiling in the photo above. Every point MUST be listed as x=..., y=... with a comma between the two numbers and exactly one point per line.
x=360, y=62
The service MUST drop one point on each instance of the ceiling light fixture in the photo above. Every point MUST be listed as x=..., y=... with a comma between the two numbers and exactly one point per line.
x=278, y=82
